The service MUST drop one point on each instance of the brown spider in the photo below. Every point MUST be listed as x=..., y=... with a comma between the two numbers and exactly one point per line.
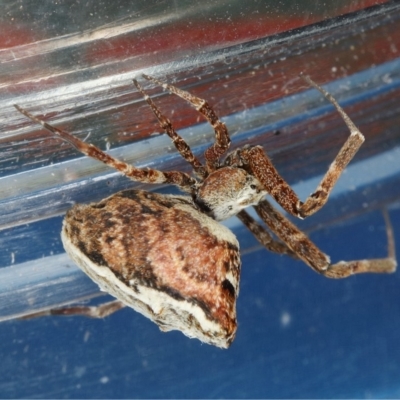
x=167, y=257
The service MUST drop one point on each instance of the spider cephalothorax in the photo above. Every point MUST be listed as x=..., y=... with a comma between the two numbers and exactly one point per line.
x=227, y=191
x=167, y=256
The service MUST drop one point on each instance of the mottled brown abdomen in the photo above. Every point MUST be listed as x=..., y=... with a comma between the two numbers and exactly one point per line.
x=164, y=243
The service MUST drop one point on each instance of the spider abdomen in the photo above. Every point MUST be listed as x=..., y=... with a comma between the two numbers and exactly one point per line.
x=161, y=256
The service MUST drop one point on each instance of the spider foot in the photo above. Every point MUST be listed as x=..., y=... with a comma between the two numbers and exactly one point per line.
x=100, y=311
x=343, y=269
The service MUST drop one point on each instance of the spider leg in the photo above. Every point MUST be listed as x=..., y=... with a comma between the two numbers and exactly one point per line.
x=316, y=200
x=184, y=181
x=177, y=140
x=222, y=141
x=295, y=239
x=257, y=163
x=307, y=251
x=261, y=166
x=100, y=311
x=263, y=236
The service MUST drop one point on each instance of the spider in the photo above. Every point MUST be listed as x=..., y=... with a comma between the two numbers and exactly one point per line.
x=168, y=257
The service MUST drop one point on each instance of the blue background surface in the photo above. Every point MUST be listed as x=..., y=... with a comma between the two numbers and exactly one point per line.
x=300, y=335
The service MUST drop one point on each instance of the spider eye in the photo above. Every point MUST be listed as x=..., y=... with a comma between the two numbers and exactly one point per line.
x=253, y=187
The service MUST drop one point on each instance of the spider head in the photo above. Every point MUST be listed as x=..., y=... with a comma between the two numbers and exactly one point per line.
x=227, y=191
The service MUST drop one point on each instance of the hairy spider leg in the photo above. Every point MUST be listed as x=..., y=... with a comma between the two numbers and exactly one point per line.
x=222, y=140
x=184, y=181
x=317, y=200
x=263, y=236
x=262, y=168
x=100, y=311
x=307, y=251
x=177, y=140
